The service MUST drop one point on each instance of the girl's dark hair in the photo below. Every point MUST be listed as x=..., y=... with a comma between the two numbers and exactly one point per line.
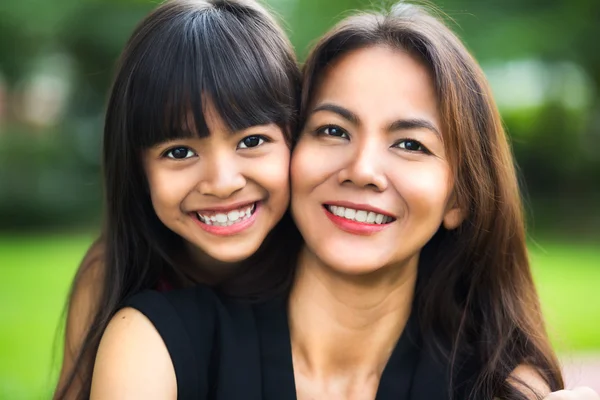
x=475, y=295
x=231, y=52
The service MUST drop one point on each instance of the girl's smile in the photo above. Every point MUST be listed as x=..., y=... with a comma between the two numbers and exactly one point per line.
x=227, y=220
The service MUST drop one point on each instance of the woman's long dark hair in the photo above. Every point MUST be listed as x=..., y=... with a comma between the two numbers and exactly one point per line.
x=231, y=52
x=476, y=295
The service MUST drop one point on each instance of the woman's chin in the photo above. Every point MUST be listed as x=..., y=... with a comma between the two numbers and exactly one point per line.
x=352, y=264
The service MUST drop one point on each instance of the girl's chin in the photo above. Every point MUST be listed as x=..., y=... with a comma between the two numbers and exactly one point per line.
x=226, y=254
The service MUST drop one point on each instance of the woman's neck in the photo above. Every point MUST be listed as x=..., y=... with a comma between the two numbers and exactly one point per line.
x=344, y=328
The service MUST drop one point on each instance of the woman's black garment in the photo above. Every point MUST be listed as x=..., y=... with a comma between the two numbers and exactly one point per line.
x=223, y=349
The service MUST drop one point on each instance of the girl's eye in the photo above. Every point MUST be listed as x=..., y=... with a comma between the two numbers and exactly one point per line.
x=332, y=130
x=179, y=153
x=411, y=145
x=250, y=142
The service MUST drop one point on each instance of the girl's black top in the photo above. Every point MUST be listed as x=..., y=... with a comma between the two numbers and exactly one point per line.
x=226, y=349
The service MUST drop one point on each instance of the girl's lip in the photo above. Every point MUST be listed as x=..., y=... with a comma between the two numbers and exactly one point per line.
x=354, y=227
x=231, y=207
x=230, y=230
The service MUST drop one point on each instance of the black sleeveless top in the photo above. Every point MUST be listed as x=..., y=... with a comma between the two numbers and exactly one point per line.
x=224, y=349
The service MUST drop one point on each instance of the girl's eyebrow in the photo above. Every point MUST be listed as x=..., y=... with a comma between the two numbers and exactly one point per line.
x=169, y=141
x=398, y=125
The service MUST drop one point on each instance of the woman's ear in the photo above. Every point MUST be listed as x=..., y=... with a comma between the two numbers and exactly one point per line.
x=455, y=214
x=453, y=218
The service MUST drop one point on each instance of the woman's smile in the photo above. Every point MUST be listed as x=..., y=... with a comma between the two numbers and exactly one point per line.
x=359, y=219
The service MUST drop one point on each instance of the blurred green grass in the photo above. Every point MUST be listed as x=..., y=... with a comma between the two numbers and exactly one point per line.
x=36, y=274
x=567, y=277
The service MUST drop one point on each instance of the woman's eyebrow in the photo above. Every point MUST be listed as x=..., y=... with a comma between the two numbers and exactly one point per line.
x=339, y=110
x=413, y=123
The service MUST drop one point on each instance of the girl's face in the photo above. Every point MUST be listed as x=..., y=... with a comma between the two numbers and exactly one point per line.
x=223, y=193
x=370, y=180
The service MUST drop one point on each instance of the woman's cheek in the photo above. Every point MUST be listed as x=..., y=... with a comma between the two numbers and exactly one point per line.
x=311, y=164
x=421, y=184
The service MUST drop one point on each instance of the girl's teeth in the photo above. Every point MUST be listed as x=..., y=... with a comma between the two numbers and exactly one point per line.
x=230, y=218
x=233, y=215
x=360, y=215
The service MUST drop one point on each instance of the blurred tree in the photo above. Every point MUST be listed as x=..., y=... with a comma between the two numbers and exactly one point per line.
x=554, y=146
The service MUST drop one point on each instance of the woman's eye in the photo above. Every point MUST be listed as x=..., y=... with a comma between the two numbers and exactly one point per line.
x=179, y=153
x=411, y=145
x=250, y=142
x=333, y=130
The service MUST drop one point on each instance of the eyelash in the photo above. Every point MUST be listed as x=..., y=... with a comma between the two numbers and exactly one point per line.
x=262, y=138
x=169, y=151
x=422, y=149
x=321, y=131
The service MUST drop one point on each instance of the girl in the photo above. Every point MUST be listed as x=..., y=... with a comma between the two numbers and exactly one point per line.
x=196, y=161
x=413, y=282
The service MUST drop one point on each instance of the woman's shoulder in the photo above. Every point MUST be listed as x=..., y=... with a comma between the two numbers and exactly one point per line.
x=529, y=381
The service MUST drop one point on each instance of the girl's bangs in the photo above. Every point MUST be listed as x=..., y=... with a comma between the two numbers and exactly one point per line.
x=212, y=57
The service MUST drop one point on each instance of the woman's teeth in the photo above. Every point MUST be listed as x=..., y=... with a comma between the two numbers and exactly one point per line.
x=368, y=217
x=226, y=219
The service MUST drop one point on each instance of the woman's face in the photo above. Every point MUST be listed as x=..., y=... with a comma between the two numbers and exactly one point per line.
x=223, y=193
x=370, y=180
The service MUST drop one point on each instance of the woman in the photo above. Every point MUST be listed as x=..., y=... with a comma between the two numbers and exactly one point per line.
x=413, y=282
x=196, y=160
